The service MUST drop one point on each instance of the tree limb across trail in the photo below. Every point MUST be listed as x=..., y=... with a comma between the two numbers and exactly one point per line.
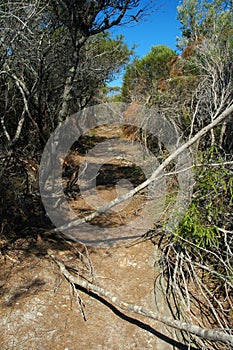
x=155, y=175
x=208, y=334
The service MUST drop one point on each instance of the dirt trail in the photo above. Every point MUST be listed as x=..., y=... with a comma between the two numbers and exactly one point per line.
x=38, y=308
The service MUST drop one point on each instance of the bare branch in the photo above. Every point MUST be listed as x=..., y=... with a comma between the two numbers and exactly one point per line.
x=212, y=335
x=154, y=176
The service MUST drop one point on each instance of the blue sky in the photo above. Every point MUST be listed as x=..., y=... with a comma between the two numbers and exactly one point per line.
x=160, y=27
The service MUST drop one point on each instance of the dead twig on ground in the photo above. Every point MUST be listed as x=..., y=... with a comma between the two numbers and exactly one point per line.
x=209, y=334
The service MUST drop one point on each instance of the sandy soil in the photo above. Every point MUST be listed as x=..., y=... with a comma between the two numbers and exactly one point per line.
x=39, y=309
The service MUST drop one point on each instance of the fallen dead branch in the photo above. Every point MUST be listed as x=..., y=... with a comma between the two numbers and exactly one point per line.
x=208, y=334
x=155, y=175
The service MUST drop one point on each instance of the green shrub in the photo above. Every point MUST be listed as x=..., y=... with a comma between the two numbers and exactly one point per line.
x=211, y=204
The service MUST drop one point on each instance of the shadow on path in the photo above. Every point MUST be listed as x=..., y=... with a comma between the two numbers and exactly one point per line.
x=137, y=322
